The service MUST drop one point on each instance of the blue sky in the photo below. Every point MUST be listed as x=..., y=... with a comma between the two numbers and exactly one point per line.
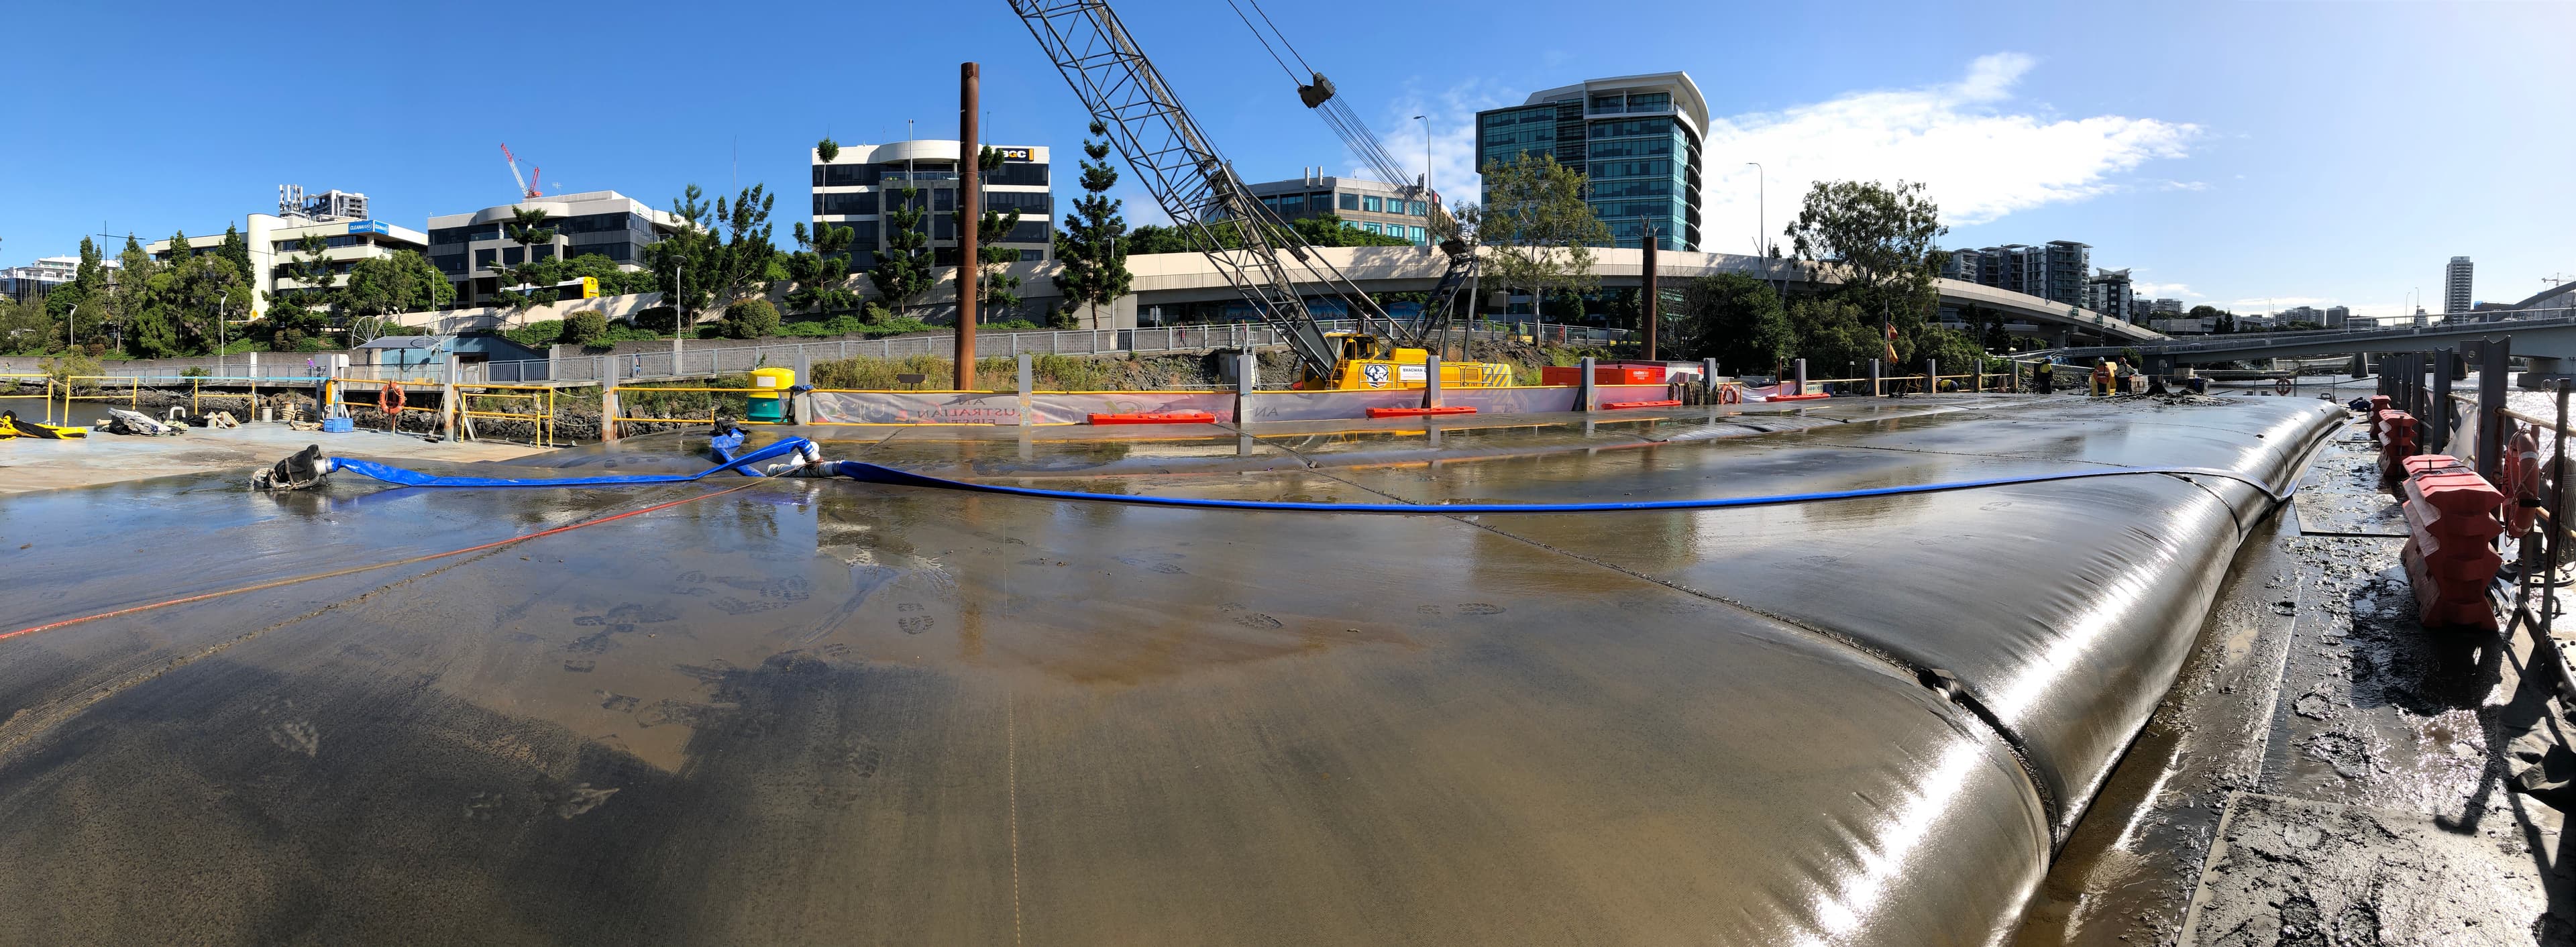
x=2246, y=154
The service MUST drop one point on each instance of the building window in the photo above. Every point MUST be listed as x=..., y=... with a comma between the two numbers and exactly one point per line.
x=1650, y=101
x=1374, y=205
x=1372, y=228
x=1291, y=205
x=483, y=259
x=1032, y=256
x=846, y=203
x=449, y=263
x=1417, y=234
x=1421, y=209
x=943, y=199
x=1350, y=202
x=1607, y=103
x=513, y=256
x=546, y=252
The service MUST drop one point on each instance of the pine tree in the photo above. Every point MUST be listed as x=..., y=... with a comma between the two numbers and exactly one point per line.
x=994, y=288
x=1094, y=270
x=902, y=271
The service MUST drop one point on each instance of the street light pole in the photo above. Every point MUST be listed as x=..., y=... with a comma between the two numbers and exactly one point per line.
x=1429, y=238
x=679, y=307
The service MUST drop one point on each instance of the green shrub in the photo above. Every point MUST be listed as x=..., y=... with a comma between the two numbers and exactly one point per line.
x=750, y=319
x=536, y=335
x=585, y=327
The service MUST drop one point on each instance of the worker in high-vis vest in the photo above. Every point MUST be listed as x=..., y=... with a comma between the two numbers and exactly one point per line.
x=2103, y=374
x=2045, y=375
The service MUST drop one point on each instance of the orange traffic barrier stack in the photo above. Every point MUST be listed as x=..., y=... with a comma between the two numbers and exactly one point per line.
x=2450, y=545
x=2396, y=431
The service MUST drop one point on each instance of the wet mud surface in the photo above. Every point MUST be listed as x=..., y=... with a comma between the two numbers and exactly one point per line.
x=826, y=712
x=2363, y=767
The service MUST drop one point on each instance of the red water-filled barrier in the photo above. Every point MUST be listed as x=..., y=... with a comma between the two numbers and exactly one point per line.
x=2395, y=431
x=2450, y=547
x=2370, y=418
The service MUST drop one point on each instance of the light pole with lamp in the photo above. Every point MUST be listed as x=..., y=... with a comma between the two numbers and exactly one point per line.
x=679, y=308
x=1427, y=199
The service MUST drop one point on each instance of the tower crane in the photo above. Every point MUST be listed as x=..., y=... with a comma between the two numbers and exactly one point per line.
x=1265, y=261
x=527, y=185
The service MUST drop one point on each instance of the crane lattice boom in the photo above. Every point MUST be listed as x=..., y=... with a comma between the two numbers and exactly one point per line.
x=1192, y=182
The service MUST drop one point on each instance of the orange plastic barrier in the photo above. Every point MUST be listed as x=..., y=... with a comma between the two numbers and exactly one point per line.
x=1618, y=405
x=1155, y=417
x=1417, y=412
x=2450, y=551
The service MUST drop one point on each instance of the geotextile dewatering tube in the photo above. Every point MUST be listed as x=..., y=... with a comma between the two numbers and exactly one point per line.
x=874, y=473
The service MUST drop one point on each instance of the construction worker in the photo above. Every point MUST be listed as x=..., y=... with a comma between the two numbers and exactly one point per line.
x=2045, y=375
x=2103, y=375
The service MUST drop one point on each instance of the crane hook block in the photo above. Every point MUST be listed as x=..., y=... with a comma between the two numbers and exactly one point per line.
x=1316, y=95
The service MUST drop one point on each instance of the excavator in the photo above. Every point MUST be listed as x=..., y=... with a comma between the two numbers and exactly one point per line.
x=1264, y=259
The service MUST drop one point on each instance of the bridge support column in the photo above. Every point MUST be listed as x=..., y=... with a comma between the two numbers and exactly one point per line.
x=2542, y=371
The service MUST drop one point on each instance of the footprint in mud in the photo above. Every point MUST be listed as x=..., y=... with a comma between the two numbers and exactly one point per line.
x=735, y=606
x=790, y=588
x=594, y=643
x=2314, y=706
x=916, y=624
x=1158, y=562
x=609, y=700
x=574, y=800
x=296, y=736
x=482, y=806
x=1257, y=620
x=1427, y=609
x=907, y=606
x=2344, y=752
x=580, y=665
x=1479, y=608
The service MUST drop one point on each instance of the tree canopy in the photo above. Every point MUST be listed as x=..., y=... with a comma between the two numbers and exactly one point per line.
x=1539, y=225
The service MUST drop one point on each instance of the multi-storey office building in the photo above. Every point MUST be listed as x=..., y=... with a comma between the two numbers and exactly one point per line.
x=1636, y=137
x=2456, y=298
x=31, y=282
x=469, y=247
x=277, y=241
x=1372, y=206
x=858, y=186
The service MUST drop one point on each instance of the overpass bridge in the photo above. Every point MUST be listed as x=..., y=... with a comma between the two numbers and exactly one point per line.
x=2546, y=338
x=1166, y=279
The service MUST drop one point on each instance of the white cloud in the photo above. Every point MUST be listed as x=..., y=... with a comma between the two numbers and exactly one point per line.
x=2152, y=290
x=1977, y=161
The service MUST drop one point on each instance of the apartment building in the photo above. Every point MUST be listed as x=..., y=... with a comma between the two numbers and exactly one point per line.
x=1371, y=206
x=1636, y=137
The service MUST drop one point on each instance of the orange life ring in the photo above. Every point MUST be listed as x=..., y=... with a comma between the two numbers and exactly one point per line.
x=389, y=399
x=2281, y=387
x=2522, y=481
x=1729, y=394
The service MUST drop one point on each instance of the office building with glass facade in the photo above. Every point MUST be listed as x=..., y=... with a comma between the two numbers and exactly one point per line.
x=1636, y=137
x=1373, y=206
x=862, y=182
x=468, y=247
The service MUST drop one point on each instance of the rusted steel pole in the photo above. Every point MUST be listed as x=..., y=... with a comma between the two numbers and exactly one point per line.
x=968, y=214
x=1654, y=296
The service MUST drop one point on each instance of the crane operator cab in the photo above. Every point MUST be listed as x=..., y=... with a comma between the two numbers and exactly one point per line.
x=1369, y=363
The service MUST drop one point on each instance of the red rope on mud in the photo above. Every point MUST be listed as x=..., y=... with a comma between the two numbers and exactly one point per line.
x=4, y=636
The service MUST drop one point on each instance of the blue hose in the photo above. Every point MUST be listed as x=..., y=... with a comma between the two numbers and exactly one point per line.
x=414, y=478
x=873, y=473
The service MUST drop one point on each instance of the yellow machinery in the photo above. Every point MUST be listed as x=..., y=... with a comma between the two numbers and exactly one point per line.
x=768, y=401
x=1370, y=363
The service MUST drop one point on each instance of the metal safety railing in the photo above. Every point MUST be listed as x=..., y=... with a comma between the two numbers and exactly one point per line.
x=541, y=423
x=715, y=407
x=17, y=380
